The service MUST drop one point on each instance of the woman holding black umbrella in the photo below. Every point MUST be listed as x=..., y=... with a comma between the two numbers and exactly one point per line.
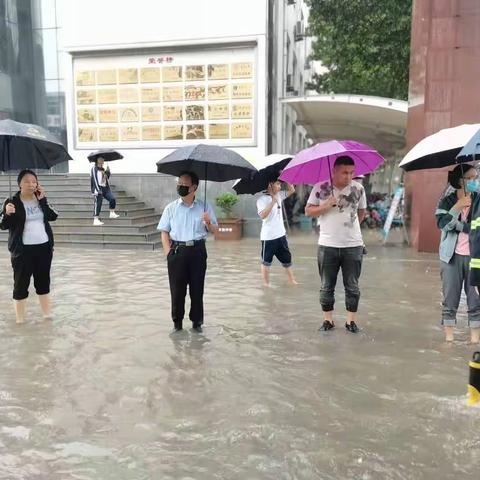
x=26, y=216
x=100, y=187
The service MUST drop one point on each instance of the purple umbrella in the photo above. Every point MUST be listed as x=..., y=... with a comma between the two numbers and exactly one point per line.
x=315, y=164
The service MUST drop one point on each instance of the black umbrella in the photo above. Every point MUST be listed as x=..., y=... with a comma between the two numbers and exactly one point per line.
x=258, y=181
x=209, y=162
x=23, y=145
x=107, y=154
x=471, y=151
x=440, y=149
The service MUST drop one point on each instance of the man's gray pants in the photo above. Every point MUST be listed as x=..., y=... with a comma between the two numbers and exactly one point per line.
x=455, y=276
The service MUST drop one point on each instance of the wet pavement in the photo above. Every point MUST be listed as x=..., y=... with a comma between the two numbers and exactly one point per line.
x=104, y=392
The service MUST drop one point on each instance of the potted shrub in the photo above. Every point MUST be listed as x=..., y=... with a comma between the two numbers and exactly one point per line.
x=229, y=227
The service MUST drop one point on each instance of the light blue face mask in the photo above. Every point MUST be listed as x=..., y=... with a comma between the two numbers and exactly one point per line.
x=472, y=186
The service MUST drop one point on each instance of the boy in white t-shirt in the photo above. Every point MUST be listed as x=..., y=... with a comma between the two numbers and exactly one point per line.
x=273, y=234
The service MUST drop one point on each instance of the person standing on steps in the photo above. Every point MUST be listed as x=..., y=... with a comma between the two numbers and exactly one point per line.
x=100, y=187
x=26, y=216
x=185, y=224
x=340, y=207
x=273, y=235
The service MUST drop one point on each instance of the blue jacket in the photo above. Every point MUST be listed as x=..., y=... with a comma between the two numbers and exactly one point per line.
x=450, y=224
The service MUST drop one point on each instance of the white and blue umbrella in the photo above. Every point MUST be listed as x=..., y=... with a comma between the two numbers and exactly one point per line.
x=440, y=149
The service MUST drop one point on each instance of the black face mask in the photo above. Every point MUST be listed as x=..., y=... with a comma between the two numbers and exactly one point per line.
x=182, y=190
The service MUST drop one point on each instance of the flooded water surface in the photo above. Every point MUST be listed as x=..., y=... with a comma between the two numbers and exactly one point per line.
x=105, y=392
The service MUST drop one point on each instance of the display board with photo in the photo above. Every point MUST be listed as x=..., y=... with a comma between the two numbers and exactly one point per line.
x=172, y=74
x=127, y=75
x=150, y=75
x=150, y=95
x=195, y=72
x=87, y=135
x=172, y=113
x=85, y=77
x=193, y=92
x=151, y=114
x=86, y=115
x=153, y=132
x=157, y=102
x=108, y=134
x=173, y=132
x=128, y=95
x=107, y=95
x=108, y=115
x=130, y=134
x=107, y=77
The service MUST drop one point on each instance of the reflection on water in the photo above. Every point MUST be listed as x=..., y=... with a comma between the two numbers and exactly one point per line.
x=104, y=392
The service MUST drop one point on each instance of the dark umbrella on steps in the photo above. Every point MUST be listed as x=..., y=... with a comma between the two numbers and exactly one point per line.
x=107, y=154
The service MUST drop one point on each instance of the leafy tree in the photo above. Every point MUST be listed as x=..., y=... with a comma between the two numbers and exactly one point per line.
x=364, y=44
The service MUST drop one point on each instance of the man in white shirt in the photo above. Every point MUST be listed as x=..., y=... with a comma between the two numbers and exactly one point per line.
x=340, y=208
x=273, y=235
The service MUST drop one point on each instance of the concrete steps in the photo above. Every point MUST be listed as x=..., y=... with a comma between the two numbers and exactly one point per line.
x=60, y=190
x=70, y=196
x=87, y=211
x=112, y=245
x=87, y=205
x=106, y=229
x=99, y=236
x=126, y=220
x=84, y=200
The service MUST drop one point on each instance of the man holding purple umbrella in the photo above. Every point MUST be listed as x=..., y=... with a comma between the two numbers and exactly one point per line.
x=340, y=207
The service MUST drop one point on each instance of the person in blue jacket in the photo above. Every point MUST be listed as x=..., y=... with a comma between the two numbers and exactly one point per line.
x=454, y=219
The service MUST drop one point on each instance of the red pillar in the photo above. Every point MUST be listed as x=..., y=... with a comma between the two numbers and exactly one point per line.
x=443, y=92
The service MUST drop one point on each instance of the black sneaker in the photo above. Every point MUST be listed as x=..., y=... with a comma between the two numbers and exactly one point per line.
x=197, y=328
x=351, y=327
x=327, y=326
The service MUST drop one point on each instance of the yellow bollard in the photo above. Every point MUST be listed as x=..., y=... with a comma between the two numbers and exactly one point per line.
x=474, y=381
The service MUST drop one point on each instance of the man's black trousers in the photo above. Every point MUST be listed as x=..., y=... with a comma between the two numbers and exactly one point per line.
x=187, y=267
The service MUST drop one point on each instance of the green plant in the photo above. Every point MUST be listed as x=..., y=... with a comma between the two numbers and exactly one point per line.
x=226, y=201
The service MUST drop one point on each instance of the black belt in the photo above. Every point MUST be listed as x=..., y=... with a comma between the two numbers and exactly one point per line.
x=190, y=243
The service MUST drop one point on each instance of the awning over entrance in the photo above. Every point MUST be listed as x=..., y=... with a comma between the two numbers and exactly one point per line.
x=377, y=121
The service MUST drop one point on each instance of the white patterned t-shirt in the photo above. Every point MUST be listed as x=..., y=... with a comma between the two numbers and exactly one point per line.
x=339, y=227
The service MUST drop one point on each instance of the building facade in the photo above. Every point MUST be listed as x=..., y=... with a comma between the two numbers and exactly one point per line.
x=165, y=74
x=31, y=84
x=291, y=72
x=148, y=79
